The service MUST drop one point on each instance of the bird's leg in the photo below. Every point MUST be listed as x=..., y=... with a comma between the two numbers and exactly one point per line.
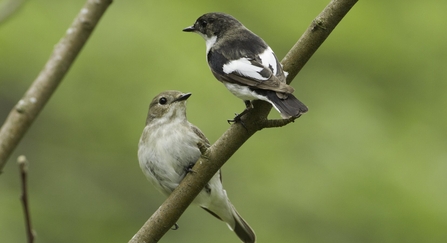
x=248, y=104
x=189, y=169
x=237, y=118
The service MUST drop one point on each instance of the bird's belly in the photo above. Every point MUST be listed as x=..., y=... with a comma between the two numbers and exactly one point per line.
x=243, y=92
x=164, y=160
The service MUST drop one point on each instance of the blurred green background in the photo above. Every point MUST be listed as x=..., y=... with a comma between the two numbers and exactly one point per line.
x=368, y=163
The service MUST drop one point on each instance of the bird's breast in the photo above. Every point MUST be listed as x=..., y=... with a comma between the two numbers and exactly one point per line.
x=167, y=151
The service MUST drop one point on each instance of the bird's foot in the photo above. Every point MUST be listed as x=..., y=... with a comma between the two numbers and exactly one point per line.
x=237, y=119
x=189, y=169
x=175, y=227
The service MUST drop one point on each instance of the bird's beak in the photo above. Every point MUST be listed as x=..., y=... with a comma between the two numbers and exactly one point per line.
x=189, y=29
x=183, y=97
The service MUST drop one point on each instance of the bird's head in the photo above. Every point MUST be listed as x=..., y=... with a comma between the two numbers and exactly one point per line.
x=212, y=25
x=168, y=106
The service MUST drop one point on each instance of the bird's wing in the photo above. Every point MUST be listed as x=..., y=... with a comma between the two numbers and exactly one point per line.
x=261, y=71
x=199, y=133
x=205, y=142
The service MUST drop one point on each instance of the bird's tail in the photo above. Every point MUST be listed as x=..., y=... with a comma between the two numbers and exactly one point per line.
x=242, y=229
x=286, y=104
x=237, y=224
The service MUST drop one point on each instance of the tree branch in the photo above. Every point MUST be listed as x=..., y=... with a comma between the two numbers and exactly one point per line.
x=9, y=8
x=23, y=167
x=25, y=112
x=315, y=35
x=215, y=156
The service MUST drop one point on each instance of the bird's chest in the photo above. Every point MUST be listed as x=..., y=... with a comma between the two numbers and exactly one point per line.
x=168, y=151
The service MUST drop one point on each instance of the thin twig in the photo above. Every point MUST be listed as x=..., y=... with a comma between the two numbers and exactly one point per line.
x=171, y=210
x=278, y=122
x=25, y=112
x=23, y=167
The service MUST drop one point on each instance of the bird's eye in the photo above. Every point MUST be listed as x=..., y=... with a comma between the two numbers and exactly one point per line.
x=162, y=101
x=203, y=23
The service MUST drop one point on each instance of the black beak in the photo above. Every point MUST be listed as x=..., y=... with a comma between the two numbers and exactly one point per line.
x=183, y=97
x=189, y=29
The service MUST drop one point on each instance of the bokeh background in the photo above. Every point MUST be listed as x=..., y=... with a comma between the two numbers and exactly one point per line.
x=368, y=163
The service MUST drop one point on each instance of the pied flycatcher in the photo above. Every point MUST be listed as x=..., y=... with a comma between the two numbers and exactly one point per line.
x=245, y=64
x=167, y=151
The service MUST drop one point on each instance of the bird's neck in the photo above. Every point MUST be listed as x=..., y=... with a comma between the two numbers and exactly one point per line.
x=210, y=43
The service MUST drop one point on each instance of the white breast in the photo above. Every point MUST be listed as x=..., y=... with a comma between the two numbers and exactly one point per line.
x=165, y=154
x=209, y=42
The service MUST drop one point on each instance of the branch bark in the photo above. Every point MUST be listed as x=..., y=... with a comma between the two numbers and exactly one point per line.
x=214, y=157
x=25, y=112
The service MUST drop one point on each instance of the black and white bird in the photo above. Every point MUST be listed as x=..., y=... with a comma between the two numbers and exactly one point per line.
x=245, y=64
x=167, y=151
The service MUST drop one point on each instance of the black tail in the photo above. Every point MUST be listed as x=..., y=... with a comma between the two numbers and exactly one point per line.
x=289, y=106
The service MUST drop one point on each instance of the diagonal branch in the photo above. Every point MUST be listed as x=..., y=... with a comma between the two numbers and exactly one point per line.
x=315, y=35
x=25, y=112
x=9, y=8
x=170, y=211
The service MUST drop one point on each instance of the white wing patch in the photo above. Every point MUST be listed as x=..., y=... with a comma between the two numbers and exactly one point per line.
x=269, y=60
x=244, y=67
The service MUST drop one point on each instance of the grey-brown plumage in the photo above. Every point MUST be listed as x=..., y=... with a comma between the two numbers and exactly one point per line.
x=168, y=149
x=245, y=64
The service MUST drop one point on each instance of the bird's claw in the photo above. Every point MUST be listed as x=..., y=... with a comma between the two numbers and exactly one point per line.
x=189, y=169
x=238, y=119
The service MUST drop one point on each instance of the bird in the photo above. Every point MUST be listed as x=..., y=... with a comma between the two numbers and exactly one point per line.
x=245, y=64
x=169, y=148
